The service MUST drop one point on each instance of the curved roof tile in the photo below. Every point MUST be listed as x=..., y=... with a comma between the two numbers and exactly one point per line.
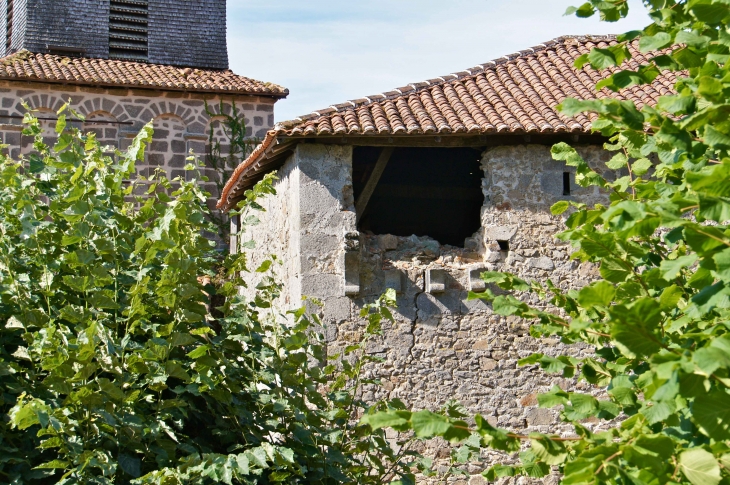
x=513, y=94
x=28, y=66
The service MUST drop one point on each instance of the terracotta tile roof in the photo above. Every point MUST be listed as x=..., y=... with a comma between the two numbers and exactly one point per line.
x=28, y=66
x=510, y=95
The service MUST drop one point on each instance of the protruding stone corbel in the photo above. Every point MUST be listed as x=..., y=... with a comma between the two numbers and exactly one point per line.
x=234, y=234
x=476, y=283
x=435, y=280
x=352, y=263
x=394, y=280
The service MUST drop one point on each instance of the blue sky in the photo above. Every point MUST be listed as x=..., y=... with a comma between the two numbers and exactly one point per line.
x=328, y=51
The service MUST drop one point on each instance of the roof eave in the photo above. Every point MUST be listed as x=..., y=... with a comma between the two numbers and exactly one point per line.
x=143, y=86
x=275, y=146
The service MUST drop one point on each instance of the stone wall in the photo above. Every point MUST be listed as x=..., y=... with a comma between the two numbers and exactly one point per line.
x=443, y=346
x=116, y=116
x=305, y=225
x=277, y=234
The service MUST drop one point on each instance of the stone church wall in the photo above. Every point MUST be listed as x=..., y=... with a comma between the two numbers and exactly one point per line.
x=116, y=115
x=441, y=346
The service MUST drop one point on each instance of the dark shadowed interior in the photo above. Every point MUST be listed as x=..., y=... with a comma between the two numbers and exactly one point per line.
x=435, y=192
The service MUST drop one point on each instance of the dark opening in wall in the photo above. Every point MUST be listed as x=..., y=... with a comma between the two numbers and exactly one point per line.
x=128, y=30
x=566, y=183
x=503, y=245
x=435, y=192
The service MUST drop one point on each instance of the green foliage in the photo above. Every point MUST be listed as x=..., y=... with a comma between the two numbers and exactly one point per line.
x=115, y=368
x=658, y=316
x=224, y=158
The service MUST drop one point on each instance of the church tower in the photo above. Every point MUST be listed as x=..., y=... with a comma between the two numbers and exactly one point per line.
x=124, y=63
x=190, y=33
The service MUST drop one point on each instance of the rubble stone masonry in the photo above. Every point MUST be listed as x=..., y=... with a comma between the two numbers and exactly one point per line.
x=441, y=346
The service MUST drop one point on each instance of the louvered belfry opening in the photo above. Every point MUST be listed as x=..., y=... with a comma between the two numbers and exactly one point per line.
x=128, y=30
x=8, y=26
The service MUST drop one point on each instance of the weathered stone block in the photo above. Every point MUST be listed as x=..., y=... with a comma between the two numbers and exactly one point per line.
x=540, y=417
x=388, y=241
x=476, y=283
x=352, y=273
x=322, y=285
x=337, y=309
x=394, y=280
x=542, y=262
x=552, y=183
x=499, y=233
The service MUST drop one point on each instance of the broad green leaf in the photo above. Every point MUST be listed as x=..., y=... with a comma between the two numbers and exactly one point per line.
x=617, y=161
x=711, y=413
x=671, y=268
x=715, y=138
x=427, y=424
x=670, y=297
x=709, y=359
x=709, y=87
x=548, y=451
x=710, y=12
x=654, y=42
x=555, y=397
x=264, y=267
x=61, y=124
x=559, y=207
x=53, y=464
x=641, y=166
x=390, y=419
x=658, y=411
x=584, y=404
x=199, y=351
x=700, y=467
x=601, y=58
x=600, y=294
x=130, y=465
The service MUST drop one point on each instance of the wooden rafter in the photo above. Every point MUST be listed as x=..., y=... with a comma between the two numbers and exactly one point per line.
x=367, y=192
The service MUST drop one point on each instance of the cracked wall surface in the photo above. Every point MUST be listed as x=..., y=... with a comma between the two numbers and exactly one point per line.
x=442, y=346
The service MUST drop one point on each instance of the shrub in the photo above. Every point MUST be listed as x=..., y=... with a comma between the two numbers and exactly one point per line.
x=113, y=369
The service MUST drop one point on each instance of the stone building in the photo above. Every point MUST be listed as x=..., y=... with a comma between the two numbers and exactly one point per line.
x=420, y=189
x=122, y=64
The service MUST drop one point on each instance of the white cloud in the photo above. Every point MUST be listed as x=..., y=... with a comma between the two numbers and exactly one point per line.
x=327, y=52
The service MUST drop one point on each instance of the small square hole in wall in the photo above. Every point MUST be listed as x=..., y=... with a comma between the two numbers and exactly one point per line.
x=503, y=245
x=566, y=183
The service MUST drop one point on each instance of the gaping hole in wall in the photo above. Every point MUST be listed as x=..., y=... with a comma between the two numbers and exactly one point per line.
x=435, y=192
x=503, y=245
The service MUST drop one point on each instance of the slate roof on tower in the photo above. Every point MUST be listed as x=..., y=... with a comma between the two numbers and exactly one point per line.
x=514, y=94
x=28, y=66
